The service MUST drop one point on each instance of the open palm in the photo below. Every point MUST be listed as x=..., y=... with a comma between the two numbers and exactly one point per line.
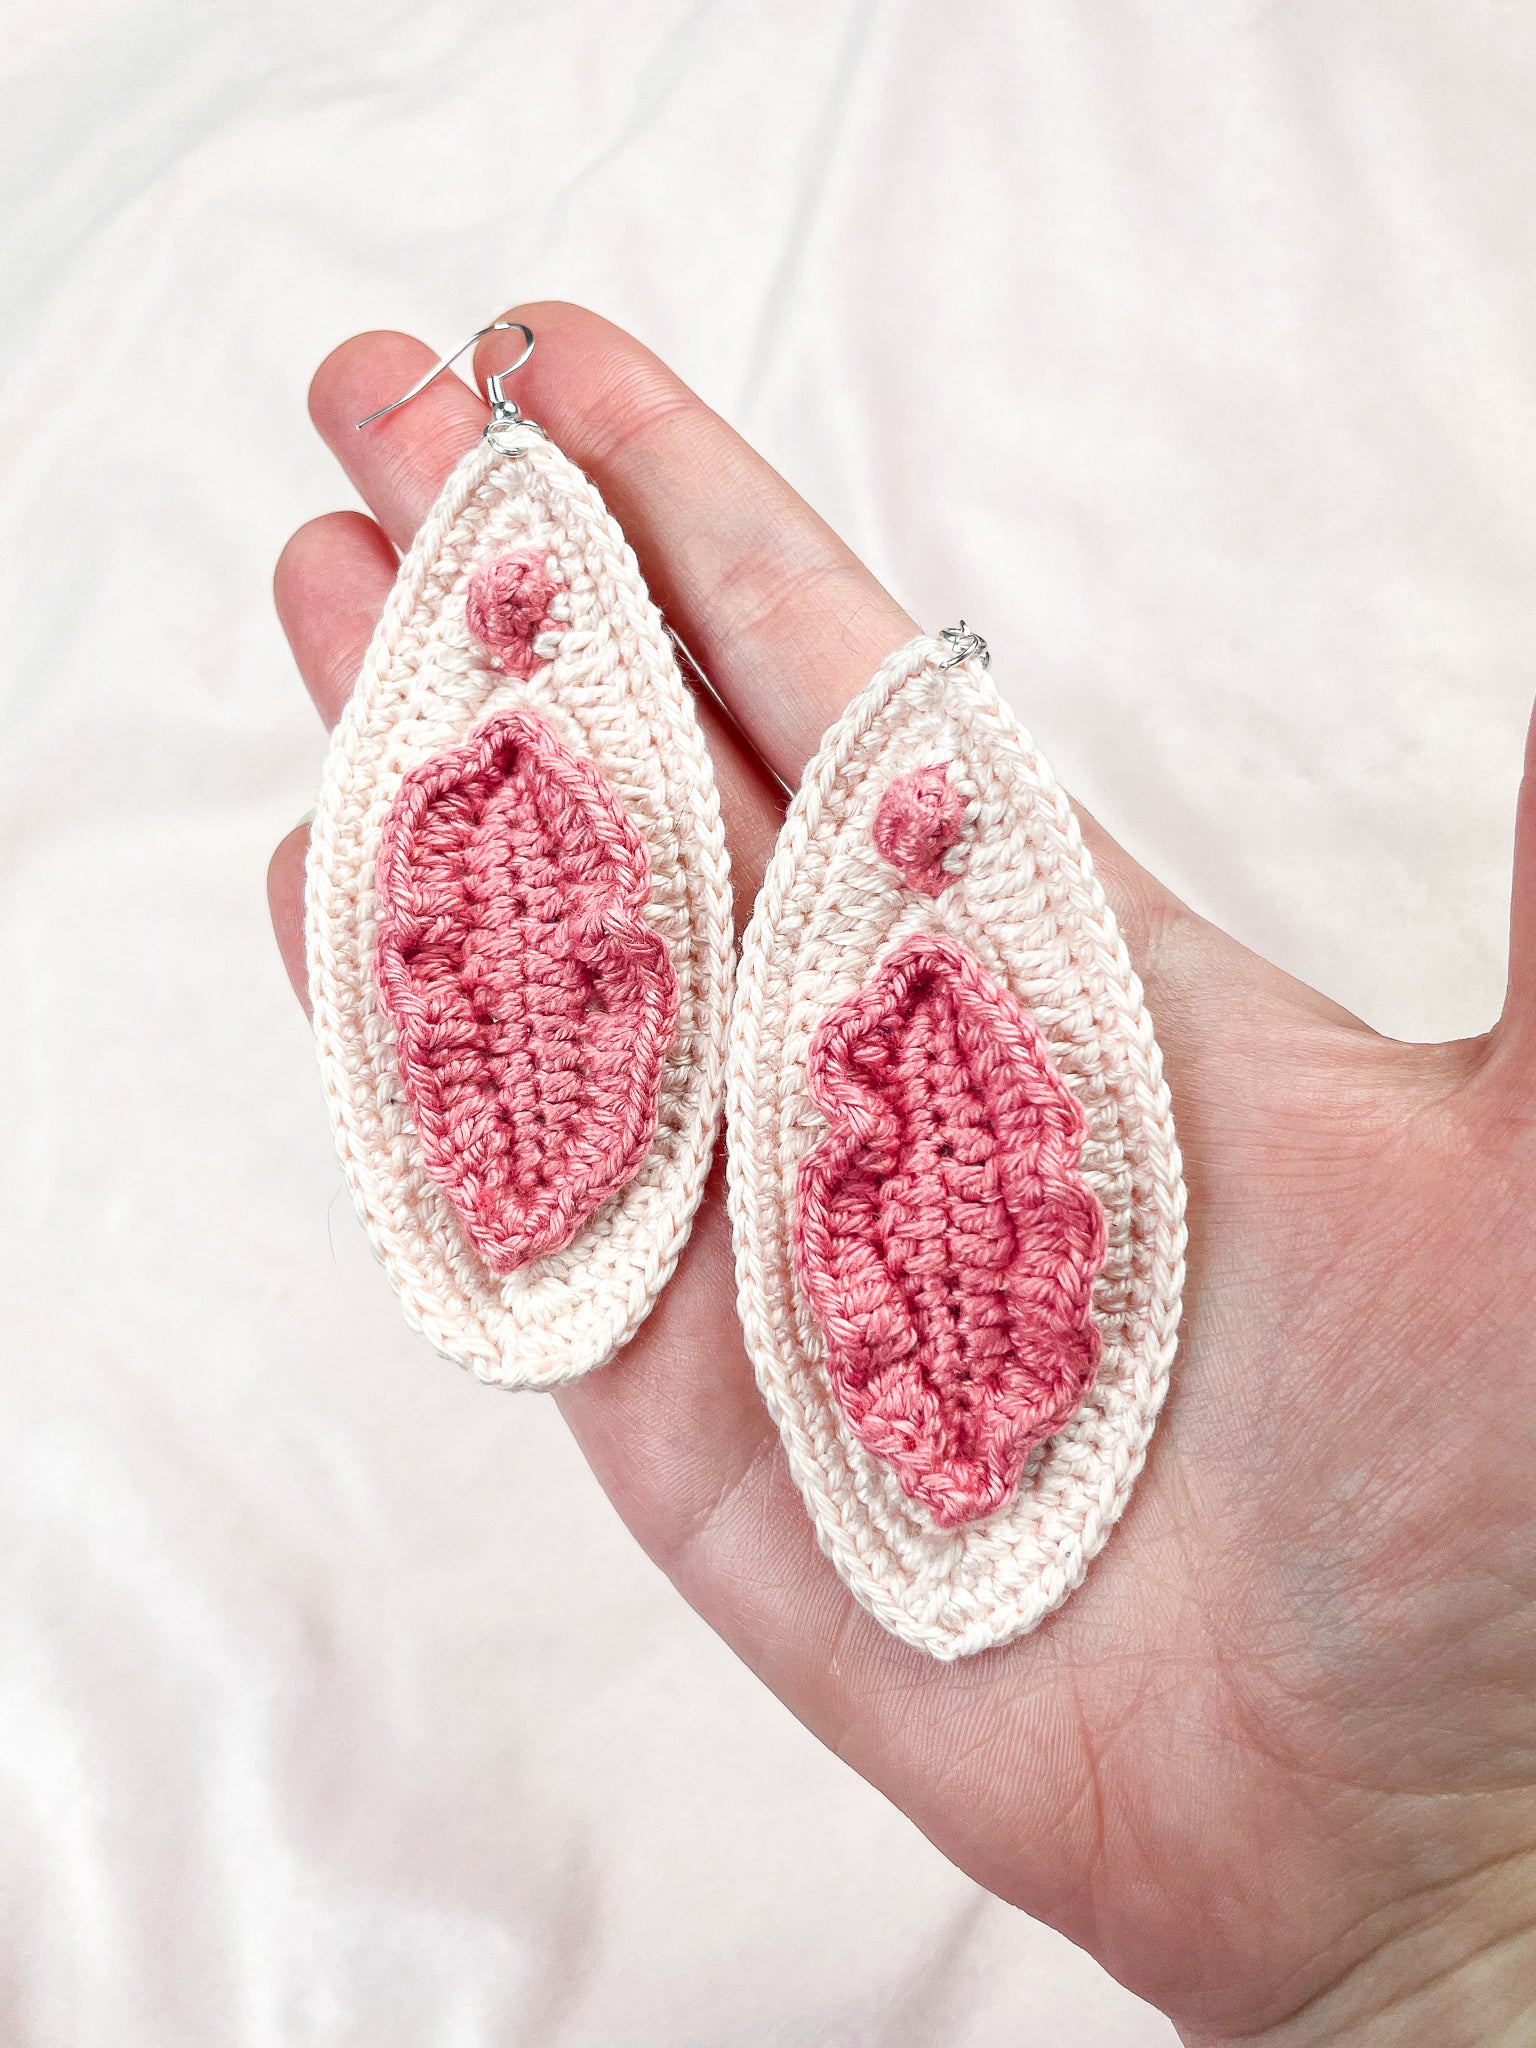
x=1275, y=1763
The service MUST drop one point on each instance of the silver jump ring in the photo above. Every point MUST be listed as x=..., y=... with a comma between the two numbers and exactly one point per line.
x=967, y=645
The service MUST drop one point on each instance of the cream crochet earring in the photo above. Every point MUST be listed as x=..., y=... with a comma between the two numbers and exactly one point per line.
x=519, y=923
x=955, y=1187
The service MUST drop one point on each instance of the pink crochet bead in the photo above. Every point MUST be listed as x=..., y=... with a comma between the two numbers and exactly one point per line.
x=507, y=607
x=943, y=1233
x=533, y=1004
x=917, y=822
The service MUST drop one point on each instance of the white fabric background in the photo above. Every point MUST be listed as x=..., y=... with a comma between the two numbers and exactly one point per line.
x=1184, y=346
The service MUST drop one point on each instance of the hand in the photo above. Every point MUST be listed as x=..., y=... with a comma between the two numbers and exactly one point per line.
x=1275, y=1763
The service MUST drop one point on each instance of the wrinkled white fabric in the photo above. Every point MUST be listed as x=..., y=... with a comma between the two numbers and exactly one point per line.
x=1184, y=347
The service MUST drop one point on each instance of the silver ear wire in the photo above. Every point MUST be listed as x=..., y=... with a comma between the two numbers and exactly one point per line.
x=690, y=661
x=503, y=409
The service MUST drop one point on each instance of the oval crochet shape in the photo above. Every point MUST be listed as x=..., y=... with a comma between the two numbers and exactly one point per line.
x=831, y=922
x=532, y=1004
x=563, y=629
x=944, y=1237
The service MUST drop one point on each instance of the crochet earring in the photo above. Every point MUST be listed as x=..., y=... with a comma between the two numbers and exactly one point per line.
x=955, y=1187
x=519, y=922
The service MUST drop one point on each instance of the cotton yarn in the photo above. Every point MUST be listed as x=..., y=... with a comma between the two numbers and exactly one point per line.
x=838, y=906
x=532, y=1003
x=508, y=607
x=944, y=1237
x=917, y=822
x=564, y=633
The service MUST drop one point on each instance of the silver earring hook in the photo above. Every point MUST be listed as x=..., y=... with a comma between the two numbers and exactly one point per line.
x=690, y=661
x=503, y=410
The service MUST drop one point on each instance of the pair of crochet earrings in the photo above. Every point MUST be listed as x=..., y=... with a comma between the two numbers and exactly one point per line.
x=954, y=1183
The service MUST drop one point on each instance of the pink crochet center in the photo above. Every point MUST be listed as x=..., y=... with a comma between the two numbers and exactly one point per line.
x=507, y=608
x=533, y=1005
x=917, y=822
x=944, y=1236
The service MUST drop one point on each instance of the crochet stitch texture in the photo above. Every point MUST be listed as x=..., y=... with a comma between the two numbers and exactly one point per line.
x=598, y=669
x=918, y=821
x=1024, y=901
x=532, y=1002
x=943, y=1234
x=508, y=608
